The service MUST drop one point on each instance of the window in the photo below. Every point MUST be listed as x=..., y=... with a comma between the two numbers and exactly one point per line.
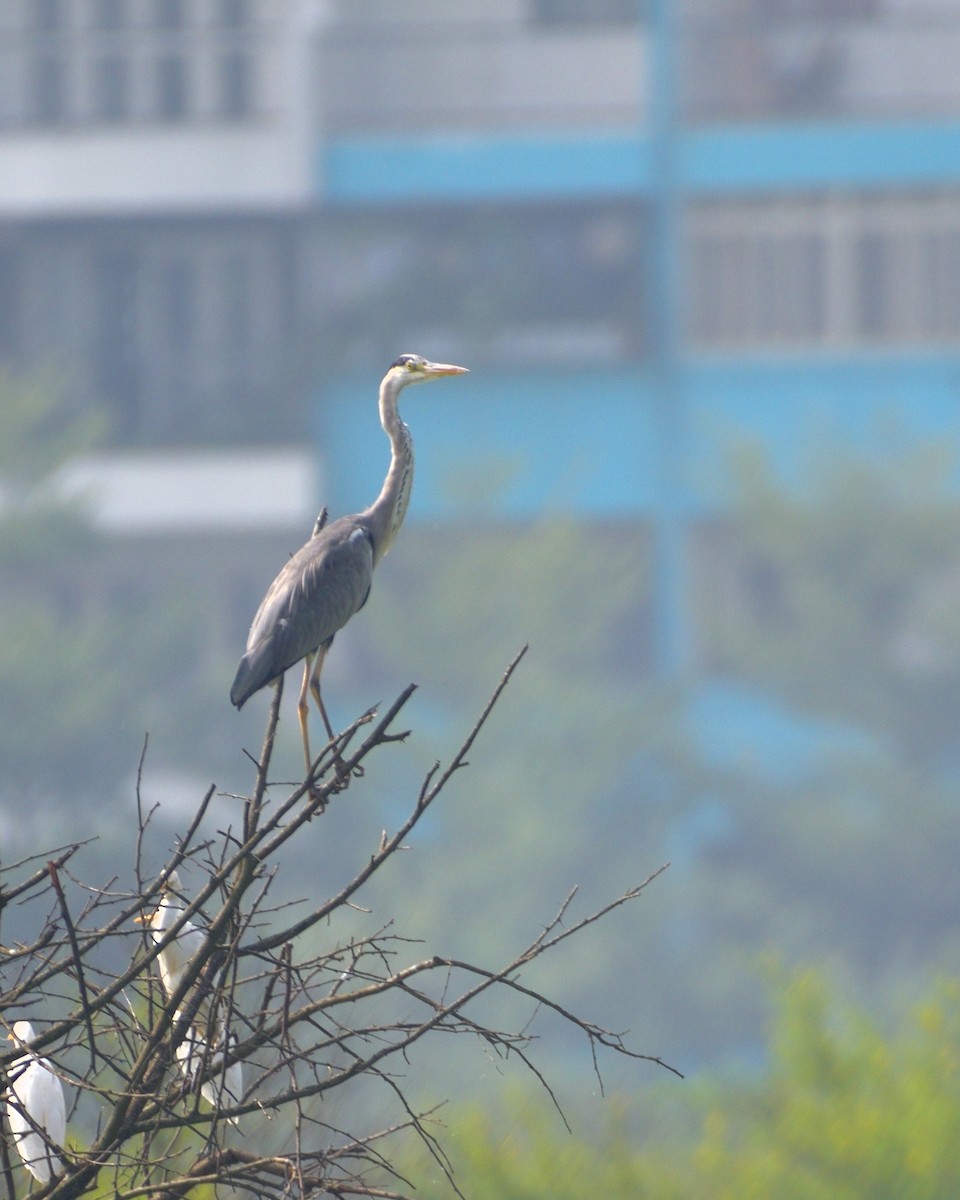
x=177, y=314
x=10, y=298
x=116, y=372
x=235, y=84
x=941, y=298
x=47, y=15
x=546, y=283
x=175, y=328
x=237, y=313
x=789, y=287
x=111, y=88
x=873, y=283
x=760, y=272
x=49, y=91
x=830, y=269
x=169, y=14
x=171, y=103
x=234, y=13
x=110, y=14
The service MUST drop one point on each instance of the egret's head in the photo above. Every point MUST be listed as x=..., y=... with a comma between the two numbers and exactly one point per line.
x=171, y=886
x=413, y=368
x=22, y=1032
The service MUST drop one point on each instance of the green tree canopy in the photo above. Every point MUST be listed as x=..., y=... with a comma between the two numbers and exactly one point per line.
x=845, y=1111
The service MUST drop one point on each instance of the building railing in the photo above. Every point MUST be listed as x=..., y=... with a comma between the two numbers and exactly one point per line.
x=749, y=60
x=82, y=76
x=739, y=60
x=459, y=74
x=847, y=59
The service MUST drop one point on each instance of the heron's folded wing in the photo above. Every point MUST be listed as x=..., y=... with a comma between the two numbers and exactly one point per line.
x=316, y=593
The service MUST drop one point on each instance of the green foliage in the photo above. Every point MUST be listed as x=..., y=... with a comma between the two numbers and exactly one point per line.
x=575, y=592
x=531, y=1157
x=844, y=1112
x=557, y=755
x=847, y=615
x=86, y=670
x=41, y=430
x=844, y=612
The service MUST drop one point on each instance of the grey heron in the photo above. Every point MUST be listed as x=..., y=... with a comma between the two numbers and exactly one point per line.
x=328, y=579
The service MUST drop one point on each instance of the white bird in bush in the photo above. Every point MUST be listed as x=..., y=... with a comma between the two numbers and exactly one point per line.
x=35, y=1108
x=221, y=1087
x=173, y=958
x=193, y=1053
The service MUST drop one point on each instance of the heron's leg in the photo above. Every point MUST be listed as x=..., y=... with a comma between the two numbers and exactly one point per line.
x=315, y=688
x=303, y=709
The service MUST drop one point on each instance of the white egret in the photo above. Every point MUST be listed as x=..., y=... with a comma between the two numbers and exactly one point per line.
x=193, y=1054
x=221, y=1086
x=36, y=1109
x=173, y=958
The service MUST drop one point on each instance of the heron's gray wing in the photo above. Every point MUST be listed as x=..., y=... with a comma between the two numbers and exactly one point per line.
x=316, y=593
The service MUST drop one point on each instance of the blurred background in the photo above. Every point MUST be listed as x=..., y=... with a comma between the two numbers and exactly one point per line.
x=703, y=262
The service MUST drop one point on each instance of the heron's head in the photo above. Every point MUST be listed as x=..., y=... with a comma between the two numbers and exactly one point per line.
x=413, y=368
x=22, y=1032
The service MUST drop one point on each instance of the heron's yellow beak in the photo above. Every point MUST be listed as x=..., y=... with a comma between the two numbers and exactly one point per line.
x=444, y=369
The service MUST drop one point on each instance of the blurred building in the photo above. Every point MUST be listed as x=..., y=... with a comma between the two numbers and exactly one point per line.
x=654, y=230
x=154, y=173
x=657, y=227
x=155, y=179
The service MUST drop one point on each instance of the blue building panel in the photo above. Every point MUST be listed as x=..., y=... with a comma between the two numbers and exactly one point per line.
x=551, y=166
x=482, y=167
x=801, y=410
x=512, y=446
x=587, y=441
x=814, y=155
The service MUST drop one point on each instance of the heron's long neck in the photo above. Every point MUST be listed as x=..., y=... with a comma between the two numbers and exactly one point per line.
x=390, y=507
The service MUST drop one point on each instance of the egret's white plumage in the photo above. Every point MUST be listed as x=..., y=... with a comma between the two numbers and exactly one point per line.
x=36, y=1110
x=192, y=1053
x=222, y=1087
x=173, y=958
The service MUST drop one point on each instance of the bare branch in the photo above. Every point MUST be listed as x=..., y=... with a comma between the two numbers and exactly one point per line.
x=232, y=1007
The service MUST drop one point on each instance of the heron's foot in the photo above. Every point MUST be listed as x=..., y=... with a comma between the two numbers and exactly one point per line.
x=345, y=773
x=317, y=797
